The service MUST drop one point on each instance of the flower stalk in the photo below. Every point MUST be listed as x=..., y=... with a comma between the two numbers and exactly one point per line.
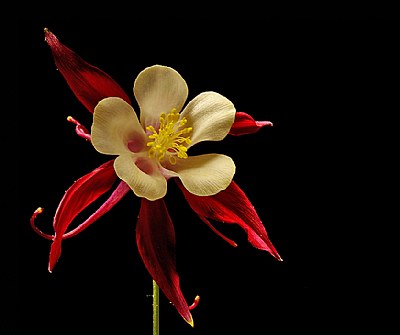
x=156, y=309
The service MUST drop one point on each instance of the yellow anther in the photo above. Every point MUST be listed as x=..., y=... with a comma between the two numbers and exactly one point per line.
x=151, y=128
x=169, y=140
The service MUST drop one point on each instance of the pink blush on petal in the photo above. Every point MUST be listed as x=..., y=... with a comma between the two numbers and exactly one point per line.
x=136, y=144
x=145, y=165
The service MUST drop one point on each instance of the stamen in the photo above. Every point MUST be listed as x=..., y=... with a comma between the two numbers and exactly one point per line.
x=80, y=129
x=195, y=302
x=171, y=138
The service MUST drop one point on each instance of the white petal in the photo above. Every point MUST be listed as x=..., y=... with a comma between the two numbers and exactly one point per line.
x=211, y=116
x=158, y=89
x=115, y=127
x=205, y=175
x=142, y=174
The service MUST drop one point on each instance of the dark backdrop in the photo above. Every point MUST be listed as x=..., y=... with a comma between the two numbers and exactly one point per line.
x=317, y=81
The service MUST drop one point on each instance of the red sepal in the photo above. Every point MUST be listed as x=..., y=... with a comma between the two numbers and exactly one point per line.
x=232, y=206
x=87, y=82
x=155, y=237
x=80, y=195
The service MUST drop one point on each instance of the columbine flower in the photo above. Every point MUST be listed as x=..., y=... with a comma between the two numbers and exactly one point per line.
x=147, y=153
x=156, y=148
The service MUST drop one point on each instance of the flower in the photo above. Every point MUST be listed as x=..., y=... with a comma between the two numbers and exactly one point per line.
x=147, y=153
x=152, y=151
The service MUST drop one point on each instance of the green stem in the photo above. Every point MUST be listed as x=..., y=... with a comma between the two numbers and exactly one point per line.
x=156, y=309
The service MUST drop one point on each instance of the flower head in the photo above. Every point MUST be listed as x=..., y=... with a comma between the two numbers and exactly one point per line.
x=154, y=149
x=147, y=152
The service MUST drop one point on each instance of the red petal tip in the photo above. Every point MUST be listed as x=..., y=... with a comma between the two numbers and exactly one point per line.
x=80, y=129
x=264, y=123
x=47, y=34
x=195, y=302
x=51, y=265
x=39, y=210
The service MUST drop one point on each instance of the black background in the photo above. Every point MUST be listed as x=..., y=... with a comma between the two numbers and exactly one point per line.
x=319, y=82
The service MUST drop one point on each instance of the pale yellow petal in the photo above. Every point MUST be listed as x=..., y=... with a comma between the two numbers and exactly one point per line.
x=116, y=128
x=211, y=116
x=142, y=175
x=158, y=89
x=205, y=175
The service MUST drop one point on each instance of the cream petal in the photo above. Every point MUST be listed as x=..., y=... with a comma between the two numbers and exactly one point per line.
x=211, y=116
x=205, y=175
x=158, y=89
x=142, y=174
x=116, y=128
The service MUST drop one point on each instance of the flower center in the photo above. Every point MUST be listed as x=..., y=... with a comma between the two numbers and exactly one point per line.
x=171, y=138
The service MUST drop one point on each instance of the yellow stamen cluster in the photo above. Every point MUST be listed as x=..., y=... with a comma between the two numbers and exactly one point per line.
x=170, y=139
